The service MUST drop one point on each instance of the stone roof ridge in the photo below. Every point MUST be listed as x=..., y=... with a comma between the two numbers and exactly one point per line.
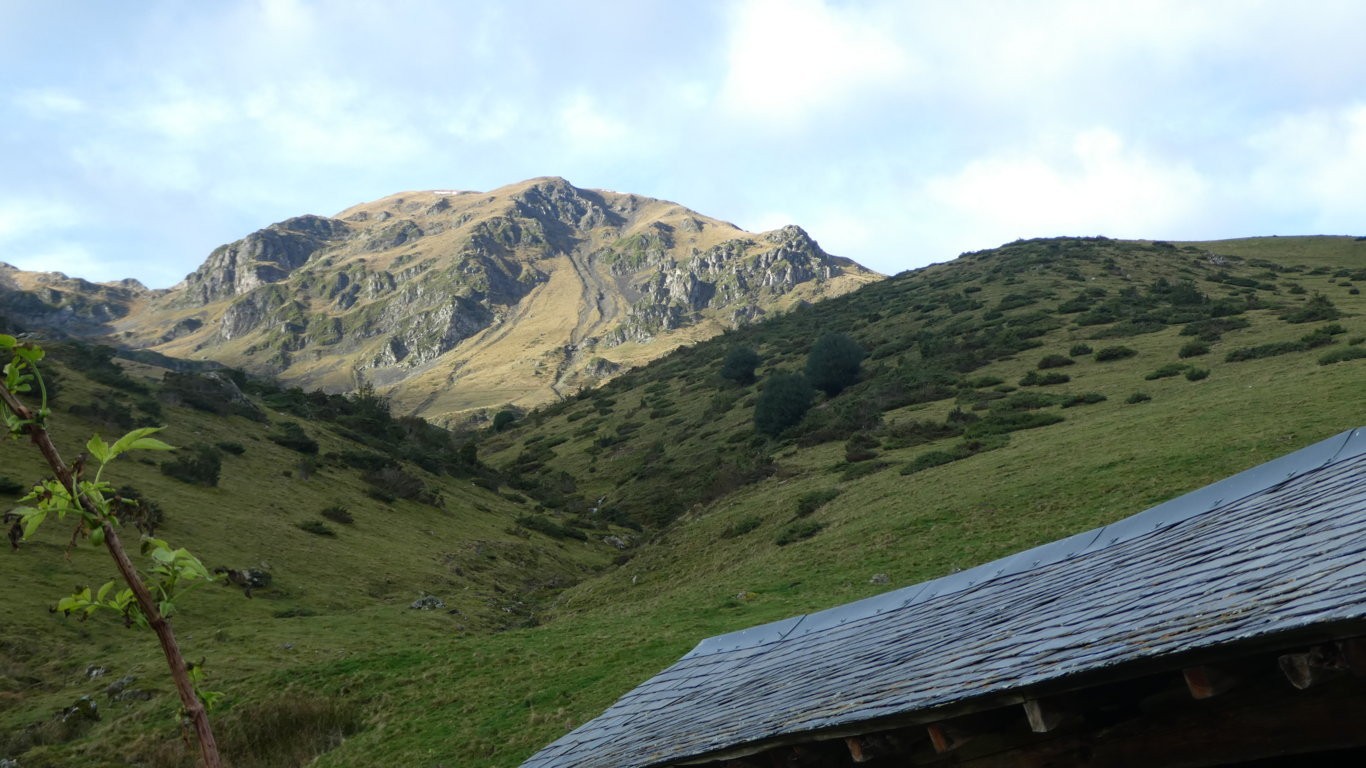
x=1341, y=447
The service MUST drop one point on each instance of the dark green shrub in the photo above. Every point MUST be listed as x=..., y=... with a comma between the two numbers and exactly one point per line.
x=1167, y=371
x=290, y=435
x=1108, y=354
x=927, y=460
x=1035, y=379
x=861, y=446
x=1138, y=397
x=742, y=526
x=236, y=449
x=396, y=483
x=1265, y=350
x=12, y=488
x=504, y=419
x=739, y=365
x=917, y=432
x=1342, y=354
x=338, y=514
x=1080, y=349
x=802, y=529
x=554, y=530
x=1193, y=349
x=380, y=495
x=1002, y=422
x=1196, y=374
x=106, y=412
x=810, y=502
x=1317, y=308
x=1026, y=401
x=196, y=465
x=1088, y=398
x=862, y=469
x=782, y=403
x=1214, y=328
x=1322, y=336
x=833, y=363
x=317, y=528
x=1055, y=361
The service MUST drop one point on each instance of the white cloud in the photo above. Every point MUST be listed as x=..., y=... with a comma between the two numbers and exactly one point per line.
x=589, y=127
x=20, y=218
x=49, y=103
x=1097, y=185
x=1314, y=163
x=789, y=58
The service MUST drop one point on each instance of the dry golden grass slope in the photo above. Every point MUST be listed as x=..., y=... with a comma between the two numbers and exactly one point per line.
x=454, y=303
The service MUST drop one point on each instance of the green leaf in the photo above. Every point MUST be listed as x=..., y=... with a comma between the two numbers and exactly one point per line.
x=98, y=449
x=7, y=341
x=104, y=591
x=126, y=442
x=32, y=519
x=150, y=444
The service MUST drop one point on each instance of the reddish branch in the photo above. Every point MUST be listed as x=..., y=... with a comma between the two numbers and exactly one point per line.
x=194, y=708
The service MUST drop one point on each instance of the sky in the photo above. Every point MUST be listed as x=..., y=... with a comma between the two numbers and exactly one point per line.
x=137, y=137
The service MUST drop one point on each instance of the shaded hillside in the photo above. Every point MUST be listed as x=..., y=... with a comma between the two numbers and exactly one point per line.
x=451, y=302
x=1008, y=398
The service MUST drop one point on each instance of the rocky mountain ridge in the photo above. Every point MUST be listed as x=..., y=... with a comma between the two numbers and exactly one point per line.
x=456, y=302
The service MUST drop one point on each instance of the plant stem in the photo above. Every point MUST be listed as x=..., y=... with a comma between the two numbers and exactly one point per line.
x=194, y=708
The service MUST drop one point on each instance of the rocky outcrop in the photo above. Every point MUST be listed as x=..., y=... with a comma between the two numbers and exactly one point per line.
x=527, y=290
x=266, y=256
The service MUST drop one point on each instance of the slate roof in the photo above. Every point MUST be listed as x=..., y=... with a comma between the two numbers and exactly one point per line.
x=1273, y=550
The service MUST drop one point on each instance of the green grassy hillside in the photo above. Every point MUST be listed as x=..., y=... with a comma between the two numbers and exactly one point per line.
x=951, y=449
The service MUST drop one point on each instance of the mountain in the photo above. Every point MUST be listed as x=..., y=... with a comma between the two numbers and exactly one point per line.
x=1007, y=398
x=450, y=302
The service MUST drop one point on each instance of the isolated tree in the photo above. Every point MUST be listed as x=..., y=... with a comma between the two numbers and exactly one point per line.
x=833, y=363
x=147, y=601
x=504, y=419
x=739, y=365
x=782, y=402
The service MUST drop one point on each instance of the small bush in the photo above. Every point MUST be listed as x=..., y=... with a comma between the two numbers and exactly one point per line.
x=316, y=528
x=834, y=363
x=1078, y=350
x=1108, y=354
x=338, y=514
x=11, y=487
x=927, y=460
x=1316, y=309
x=1138, y=397
x=1193, y=349
x=742, y=526
x=236, y=449
x=1342, y=354
x=1243, y=354
x=782, y=403
x=1167, y=371
x=554, y=530
x=504, y=419
x=802, y=529
x=810, y=502
x=1088, y=398
x=196, y=465
x=1002, y=422
x=739, y=365
x=1055, y=361
x=1035, y=379
x=862, y=469
x=290, y=435
x=861, y=446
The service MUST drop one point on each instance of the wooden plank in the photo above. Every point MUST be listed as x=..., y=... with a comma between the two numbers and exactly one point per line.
x=1205, y=682
x=1042, y=719
x=939, y=738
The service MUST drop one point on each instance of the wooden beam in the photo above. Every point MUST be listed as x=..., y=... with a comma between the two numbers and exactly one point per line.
x=1206, y=682
x=939, y=738
x=874, y=745
x=1042, y=719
